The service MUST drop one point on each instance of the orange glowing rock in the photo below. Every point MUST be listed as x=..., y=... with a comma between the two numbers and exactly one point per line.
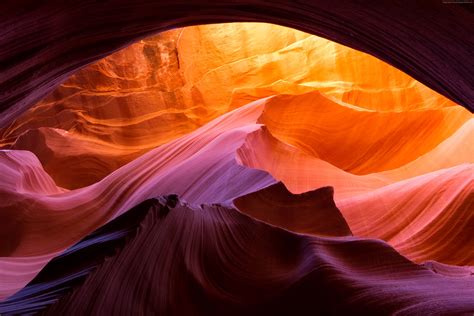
x=167, y=86
x=215, y=112
x=247, y=61
x=412, y=205
x=358, y=140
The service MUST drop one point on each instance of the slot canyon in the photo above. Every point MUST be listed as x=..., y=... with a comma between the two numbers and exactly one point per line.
x=234, y=163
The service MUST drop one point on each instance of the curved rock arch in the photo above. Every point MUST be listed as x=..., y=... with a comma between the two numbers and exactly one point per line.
x=43, y=43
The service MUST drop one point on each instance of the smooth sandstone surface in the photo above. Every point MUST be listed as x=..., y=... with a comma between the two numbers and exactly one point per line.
x=167, y=86
x=252, y=126
x=45, y=43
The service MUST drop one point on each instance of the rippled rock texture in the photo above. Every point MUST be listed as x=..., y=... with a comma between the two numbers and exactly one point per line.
x=240, y=168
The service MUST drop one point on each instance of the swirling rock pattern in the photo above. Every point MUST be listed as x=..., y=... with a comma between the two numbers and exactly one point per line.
x=192, y=254
x=44, y=43
x=201, y=167
x=303, y=172
x=160, y=89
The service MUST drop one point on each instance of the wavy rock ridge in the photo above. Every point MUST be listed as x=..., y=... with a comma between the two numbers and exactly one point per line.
x=282, y=272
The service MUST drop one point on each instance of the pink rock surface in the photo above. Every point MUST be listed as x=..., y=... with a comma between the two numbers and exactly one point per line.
x=308, y=138
x=200, y=167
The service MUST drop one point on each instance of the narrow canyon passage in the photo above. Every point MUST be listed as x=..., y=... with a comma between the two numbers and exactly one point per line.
x=266, y=165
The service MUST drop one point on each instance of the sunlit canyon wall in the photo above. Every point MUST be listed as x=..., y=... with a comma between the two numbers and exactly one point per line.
x=238, y=168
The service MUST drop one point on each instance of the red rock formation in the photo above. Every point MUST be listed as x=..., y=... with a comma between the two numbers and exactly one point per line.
x=160, y=88
x=218, y=261
x=428, y=217
x=412, y=206
x=308, y=213
x=207, y=114
x=44, y=43
x=200, y=167
x=376, y=141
